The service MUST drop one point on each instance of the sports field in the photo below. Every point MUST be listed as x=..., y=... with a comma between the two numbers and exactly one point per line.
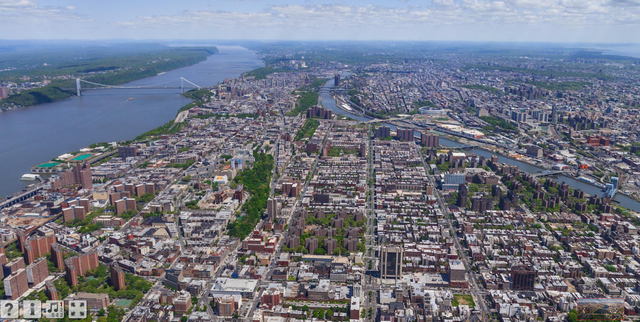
x=81, y=157
x=123, y=303
x=48, y=165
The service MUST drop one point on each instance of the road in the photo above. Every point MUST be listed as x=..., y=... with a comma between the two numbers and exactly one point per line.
x=249, y=306
x=159, y=280
x=247, y=309
x=370, y=285
x=476, y=291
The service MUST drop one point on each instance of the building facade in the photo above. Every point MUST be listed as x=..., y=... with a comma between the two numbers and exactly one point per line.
x=391, y=262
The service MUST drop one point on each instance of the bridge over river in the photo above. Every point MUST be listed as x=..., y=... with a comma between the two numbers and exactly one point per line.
x=171, y=84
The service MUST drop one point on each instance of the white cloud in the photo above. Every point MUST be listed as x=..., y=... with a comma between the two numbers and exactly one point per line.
x=31, y=12
x=17, y=4
x=626, y=3
x=453, y=12
x=426, y=19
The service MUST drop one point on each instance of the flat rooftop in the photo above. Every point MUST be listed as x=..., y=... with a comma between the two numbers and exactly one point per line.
x=234, y=285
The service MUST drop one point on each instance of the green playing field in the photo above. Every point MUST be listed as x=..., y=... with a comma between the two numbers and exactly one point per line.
x=81, y=157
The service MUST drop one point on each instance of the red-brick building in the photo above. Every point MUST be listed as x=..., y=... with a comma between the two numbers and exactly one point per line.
x=50, y=290
x=79, y=265
x=16, y=284
x=117, y=277
x=37, y=271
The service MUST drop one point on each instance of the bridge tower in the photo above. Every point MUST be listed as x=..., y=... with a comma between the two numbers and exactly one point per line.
x=182, y=85
x=78, y=88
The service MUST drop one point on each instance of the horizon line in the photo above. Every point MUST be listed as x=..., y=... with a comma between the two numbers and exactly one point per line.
x=326, y=40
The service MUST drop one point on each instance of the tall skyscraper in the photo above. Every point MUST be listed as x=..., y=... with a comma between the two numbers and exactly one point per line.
x=37, y=271
x=71, y=273
x=79, y=265
x=125, y=204
x=405, y=135
x=57, y=255
x=430, y=140
x=117, y=277
x=519, y=116
x=523, y=277
x=82, y=175
x=356, y=290
x=16, y=284
x=182, y=303
x=13, y=266
x=336, y=80
x=383, y=132
x=463, y=194
x=37, y=247
x=391, y=262
x=22, y=237
x=85, y=203
x=73, y=212
x=457, y=272
x=271, y=297
x=273, y=208
x=311, y=244
x=4, y=92
x=29, y=254
x=50, y=290
x=225, y=305
x=127, y=151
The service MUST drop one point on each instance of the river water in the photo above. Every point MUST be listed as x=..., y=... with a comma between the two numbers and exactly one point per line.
x=329, y=102
x=39, y=133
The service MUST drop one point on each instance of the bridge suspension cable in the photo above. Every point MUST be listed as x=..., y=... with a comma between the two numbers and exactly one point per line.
x=156, y=86
x=118, y=86
x=188, y=81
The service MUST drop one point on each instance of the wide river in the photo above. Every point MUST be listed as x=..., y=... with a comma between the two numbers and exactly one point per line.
x=39, y=133
x=329, y=102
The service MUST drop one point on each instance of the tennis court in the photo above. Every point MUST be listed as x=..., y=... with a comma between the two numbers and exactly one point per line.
x=123, y=303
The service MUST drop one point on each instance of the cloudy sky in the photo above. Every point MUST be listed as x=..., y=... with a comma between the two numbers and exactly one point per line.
x=601, y=21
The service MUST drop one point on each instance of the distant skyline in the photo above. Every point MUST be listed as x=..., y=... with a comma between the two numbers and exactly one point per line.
x=584, y=21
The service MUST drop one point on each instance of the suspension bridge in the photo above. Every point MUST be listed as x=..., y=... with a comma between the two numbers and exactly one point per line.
x=164, y=85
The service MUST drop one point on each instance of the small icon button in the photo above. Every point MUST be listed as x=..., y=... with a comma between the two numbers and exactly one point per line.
x=9, y=309
x=32, y=309
x=77, y=309
x=54, y=310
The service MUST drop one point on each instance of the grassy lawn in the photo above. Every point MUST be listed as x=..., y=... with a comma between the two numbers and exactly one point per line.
x=335, y=151
x=463, y=299
x=307, y=130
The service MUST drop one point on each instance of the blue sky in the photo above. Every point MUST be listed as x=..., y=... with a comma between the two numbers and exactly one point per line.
x=600, y=21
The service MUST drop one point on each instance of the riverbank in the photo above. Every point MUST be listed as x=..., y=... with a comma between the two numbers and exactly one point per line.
x=340, y=101
x=170, y=127
x=63, y=89
x=528, y=167
x=33, y=135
